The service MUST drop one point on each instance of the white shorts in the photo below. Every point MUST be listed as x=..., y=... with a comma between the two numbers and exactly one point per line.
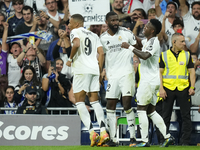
x=147, y=94
x=124, y=85
x=85, y=82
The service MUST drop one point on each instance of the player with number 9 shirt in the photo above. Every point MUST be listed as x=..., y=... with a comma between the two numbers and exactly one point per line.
x=86, y=70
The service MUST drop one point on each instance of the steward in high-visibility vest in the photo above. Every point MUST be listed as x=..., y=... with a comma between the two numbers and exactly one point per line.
x=176, y=67
x=175, y=72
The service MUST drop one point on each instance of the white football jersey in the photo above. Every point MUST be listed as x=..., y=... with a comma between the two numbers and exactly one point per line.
x=85, y=60
x=118, y=60
x=149, y=68
x=192, y=27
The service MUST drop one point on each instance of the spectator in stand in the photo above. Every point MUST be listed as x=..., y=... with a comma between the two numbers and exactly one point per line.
x=49, y=56
x=4, y=49
x=52, y=10
x=28, y=78
x=64, y=43
x=117, y=8
x=177, y=26
x=172, y=9
x=6, y=8
x=32, y=105
x=2, y=19
x=3, y=86
x=139, y=19
x=9, y=101
x=17, y=18
x=25, y=27
x=151, y=14
x=32, y=56
x=96, y=29
x=14, y=71
x=41, y=23
x=57, y=86
x=191, y=22
x=104, y=28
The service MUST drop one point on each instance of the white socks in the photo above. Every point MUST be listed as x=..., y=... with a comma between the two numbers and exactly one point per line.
x=84, y=115
x=111, y=121
x=158, y=121
x=144, y=125
x=99, y=114
x=130, y=116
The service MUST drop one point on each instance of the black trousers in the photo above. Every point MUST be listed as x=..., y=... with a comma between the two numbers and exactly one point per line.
x=184, y=101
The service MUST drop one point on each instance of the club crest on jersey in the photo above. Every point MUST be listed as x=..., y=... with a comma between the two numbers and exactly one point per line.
x=120, y=38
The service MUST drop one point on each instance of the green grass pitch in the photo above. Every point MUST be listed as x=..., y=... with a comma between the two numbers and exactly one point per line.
x=96, y=148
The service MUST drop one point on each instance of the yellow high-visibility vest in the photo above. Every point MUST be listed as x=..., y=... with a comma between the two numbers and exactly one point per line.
x=175, y=72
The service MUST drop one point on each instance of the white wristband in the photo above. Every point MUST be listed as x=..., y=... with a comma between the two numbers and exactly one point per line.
x=131, y=48
x=70, y=60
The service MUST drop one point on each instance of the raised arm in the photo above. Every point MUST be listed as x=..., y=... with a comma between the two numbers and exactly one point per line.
x=157, y=7
x=184, y=8
x=41, y=57
x=22, y=54
x=194, y=47
x=165, y=37
x=4, y=38
x=54, y=22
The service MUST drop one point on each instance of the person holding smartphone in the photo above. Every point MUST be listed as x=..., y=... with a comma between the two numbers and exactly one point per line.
x=57, y=87
x=31, y=55
x=28, y=78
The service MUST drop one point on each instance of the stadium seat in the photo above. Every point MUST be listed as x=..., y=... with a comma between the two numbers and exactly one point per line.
x=195, y=136
x=123, y=121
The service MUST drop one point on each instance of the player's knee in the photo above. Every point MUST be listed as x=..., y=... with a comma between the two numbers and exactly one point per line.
x=110, y=105
x=127, y=107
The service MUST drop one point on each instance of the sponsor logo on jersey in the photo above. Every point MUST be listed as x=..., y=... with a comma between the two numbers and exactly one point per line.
x=196, y=29
x=120, y=38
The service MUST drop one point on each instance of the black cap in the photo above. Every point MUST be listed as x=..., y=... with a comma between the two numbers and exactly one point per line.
x=31, y=89
x=15, y=43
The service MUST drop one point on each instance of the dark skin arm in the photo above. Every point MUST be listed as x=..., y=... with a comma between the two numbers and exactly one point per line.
x=139, y=53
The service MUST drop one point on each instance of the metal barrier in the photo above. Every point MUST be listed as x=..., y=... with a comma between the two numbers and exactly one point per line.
x=68, y=109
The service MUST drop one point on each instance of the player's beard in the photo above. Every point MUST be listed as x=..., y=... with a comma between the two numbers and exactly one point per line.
x=112, y=28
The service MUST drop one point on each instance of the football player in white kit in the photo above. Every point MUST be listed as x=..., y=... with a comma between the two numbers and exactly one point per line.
x=86, y=70
x=149, y=83
x=120, y=74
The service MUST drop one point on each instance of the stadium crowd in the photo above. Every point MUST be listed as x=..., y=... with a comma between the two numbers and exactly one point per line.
x=37, y=74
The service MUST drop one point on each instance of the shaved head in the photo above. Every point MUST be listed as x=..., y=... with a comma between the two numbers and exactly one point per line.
x=175, y=37
x=78, y=18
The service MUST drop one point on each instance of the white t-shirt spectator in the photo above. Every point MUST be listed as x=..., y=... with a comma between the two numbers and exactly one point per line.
x=14, y=71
